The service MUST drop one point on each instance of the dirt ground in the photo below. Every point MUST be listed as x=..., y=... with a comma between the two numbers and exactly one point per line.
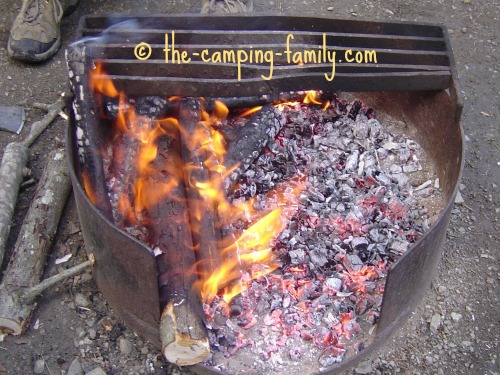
x=73, y=329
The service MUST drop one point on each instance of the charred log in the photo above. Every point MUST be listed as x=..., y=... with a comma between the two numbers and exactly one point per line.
x=202, y=211
x=183, y=334
x=250, y=140
x=89, y=134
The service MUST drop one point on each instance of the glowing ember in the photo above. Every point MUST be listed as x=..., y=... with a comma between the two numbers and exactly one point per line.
x=306, y=235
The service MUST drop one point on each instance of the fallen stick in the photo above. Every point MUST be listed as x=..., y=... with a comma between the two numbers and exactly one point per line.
x=30, y=294
x=182, y=331
x=33, y=243
x=12, y=168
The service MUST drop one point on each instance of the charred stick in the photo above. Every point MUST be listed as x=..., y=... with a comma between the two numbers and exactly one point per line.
x=255, y=101
x=250, y=140
x=12, y=169
x=89, y=134
x=35, y=239
x=182, y=331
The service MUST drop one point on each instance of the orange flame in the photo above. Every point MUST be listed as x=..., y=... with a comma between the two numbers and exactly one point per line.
x=87, y=186
x=248, y=253
x=101, y=83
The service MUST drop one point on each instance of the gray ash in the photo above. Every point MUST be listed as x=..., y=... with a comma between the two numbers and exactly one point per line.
x=358, y=213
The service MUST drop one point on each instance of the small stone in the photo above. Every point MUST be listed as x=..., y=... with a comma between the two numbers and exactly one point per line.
x=81, y=300
x=39, y=366
x=145, y=350
x=364, y=368
x=96, y=371
x=92, y=334
x=435, y=323
x=459, y=199
x=489, y=280
x=86, y=277
x=75, y=368
x=456, y=317
x=429, y=360
x=125, y=346
x=466, y=344
x=329, y=9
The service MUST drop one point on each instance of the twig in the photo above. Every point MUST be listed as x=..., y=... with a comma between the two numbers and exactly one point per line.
x=30, y=294
x=39, y=126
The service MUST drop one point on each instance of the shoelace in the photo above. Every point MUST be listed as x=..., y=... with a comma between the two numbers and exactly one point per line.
x=30, y=16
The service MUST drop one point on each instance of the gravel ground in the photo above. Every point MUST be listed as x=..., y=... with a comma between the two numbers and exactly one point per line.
x=454, y=331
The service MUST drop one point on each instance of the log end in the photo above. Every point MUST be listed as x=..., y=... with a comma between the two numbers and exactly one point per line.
x=186, y=352
x=10, y=326
x=183, y=335
x=13, y=314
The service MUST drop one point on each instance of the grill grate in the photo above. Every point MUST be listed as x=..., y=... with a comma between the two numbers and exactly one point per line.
x=409, y=56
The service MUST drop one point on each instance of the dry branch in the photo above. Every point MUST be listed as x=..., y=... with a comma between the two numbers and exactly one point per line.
x=30, y=294
x=35, y=239
x=12, y=168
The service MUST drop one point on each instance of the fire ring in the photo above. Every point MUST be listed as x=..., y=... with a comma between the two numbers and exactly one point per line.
x=126, y=269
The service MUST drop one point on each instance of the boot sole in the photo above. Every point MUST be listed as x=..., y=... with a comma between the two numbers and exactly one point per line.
x=40, y=57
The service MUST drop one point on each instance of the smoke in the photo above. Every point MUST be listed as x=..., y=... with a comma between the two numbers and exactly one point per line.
x=121, y=32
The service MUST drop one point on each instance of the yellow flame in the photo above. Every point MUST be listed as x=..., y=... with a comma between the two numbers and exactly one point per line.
x=251, y=252
x=101, y=83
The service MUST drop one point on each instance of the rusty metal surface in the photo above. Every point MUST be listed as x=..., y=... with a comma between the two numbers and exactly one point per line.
x=125, y=270
x=409, y=56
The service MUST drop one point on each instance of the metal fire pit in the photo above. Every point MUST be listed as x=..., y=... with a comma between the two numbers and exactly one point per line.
x=414, y=81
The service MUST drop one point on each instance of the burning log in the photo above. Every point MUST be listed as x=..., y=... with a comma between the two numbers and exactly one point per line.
x=182, y=331
x=34, y=241
x=13, y=163
x=197, y=154
x=250, y=139
x=89, y=137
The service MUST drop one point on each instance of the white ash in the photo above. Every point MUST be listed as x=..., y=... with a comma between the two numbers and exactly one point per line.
x=358, y=213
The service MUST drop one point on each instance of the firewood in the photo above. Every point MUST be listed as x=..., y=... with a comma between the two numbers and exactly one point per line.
x=250, y=140
x=202, y=209
x=89, y=134
x=182, y=331
x=238, y=102
x=184, y=342
x=35, y=239
x=12, y=167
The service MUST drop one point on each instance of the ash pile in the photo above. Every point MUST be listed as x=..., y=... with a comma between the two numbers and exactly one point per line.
x=370, y=192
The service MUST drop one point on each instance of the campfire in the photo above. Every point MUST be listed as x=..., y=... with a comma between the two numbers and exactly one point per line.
x=263, y=233
x=272, y=227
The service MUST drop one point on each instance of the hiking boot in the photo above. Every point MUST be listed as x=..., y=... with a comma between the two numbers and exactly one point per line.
x=35, y=34
x=227, y=6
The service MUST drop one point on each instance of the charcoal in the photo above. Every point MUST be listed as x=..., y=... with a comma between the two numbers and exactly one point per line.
x=331, y=356
x=359, y=243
